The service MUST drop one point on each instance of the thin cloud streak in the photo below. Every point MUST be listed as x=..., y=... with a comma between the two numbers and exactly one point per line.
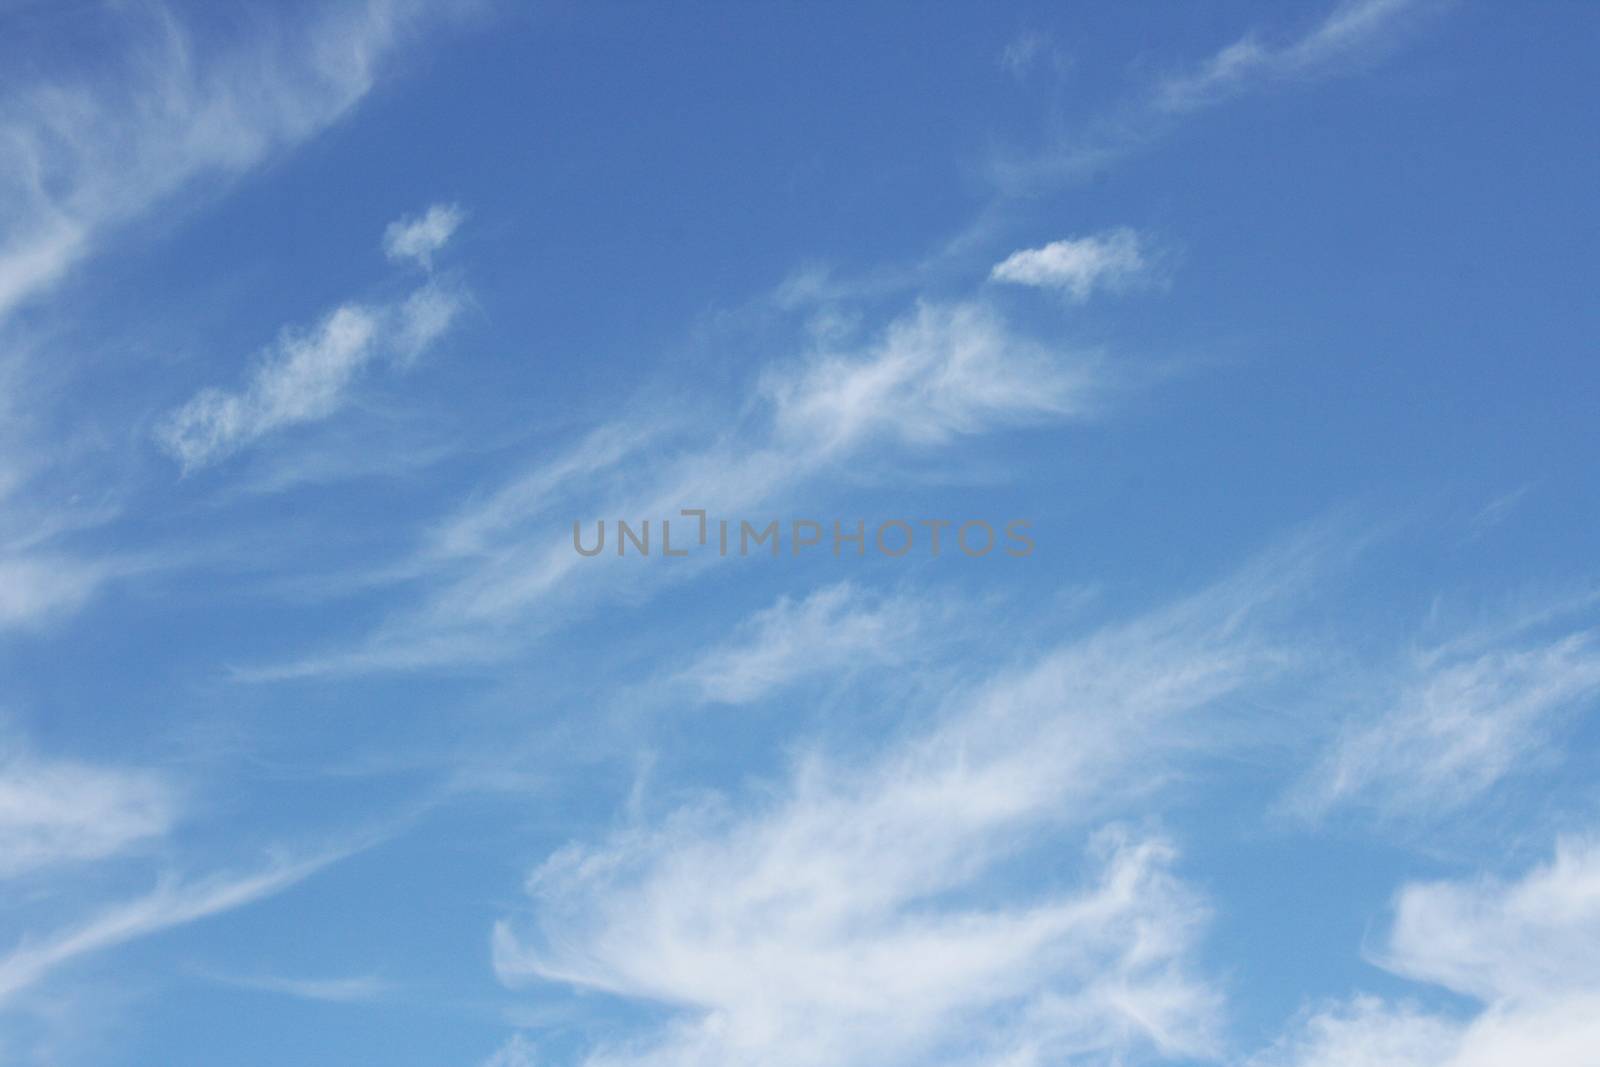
x=171, y=904
x=359, y=989
x=1353, y=32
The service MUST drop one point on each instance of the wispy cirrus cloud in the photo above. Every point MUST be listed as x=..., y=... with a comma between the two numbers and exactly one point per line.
x=1465, y=719
x=939, y=373
x=1351, y=33
x=838, y=627
x=517, y=1052
x=934, y=375
x=170, y=904
x=306, y=376
x=37, y=587
x=356, y=989
x=785, y=971
x=1030, y=50
x=833, y=922
x=149, y=109
x=92, y=149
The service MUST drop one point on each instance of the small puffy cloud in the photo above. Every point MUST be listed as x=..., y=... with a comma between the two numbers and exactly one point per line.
x=1078, y=266
x=418, y=238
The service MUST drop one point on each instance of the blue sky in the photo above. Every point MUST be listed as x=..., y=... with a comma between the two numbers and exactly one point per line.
x=322, y=325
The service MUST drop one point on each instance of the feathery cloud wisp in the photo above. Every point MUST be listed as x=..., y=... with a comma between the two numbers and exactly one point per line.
x=1461, y=725
x=1351, y=29
x=1349, y=34
x=303, y=378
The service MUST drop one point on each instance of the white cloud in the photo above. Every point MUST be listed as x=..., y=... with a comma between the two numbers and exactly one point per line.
x=144, y=112
x=37, y=587
x=170, y=904
x=1369, y=1032
x=1078, y=266
x=424, y=317
x=833, y=921
x=836, y=628
x=815, y=957
x=353, y=990
x=136, y=127
x=54, y=812
x=418, y=238
x=1353, y=29
x=1025, y=51
x=1463, y=723
x=41, y=580
x=303, y=377
x=1529, y=951
x=1366, y=1032
x=1524, y=941
x=518, y=1052
x=939, y=372
x=1353, y=32
x=942, y=372
x=306, y=376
